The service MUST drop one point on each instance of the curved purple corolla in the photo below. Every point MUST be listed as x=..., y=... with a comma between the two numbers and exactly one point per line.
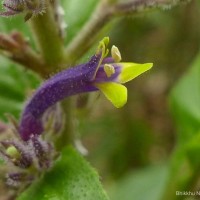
x=100, y=73
x=66, y=83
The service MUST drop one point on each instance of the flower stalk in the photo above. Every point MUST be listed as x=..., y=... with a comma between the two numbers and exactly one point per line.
x=48, y=40
x=89, y=34
x=67, y=134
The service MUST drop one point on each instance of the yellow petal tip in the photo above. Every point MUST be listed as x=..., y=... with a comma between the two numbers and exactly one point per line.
x=114, y=92
x=132, y=70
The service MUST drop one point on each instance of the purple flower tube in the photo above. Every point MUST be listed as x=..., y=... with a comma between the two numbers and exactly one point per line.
x=100, y=73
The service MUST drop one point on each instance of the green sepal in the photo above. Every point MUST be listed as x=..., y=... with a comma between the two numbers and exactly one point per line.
x=114, y=92
x=132, y=70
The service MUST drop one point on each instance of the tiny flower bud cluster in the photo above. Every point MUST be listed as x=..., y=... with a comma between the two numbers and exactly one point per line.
x=25, y=159
x=30, y=7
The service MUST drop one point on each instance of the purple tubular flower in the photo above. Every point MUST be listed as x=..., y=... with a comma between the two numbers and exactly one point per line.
x=100, y=73
x=66, y=83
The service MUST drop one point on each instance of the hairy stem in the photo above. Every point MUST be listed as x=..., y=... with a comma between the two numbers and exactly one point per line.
x=47, y=38
x=89, y=33
x=139, y=6
x=67, y=134
x=104, y=13
x=50, y=44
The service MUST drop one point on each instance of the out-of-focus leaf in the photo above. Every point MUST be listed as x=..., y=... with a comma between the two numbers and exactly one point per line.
x=72, y=178
x=192, y=151
x=9, y=106
x=184, y=168
x=1, y=161
x=185, y=102
x=76, y=14
x=17, y=23
x=184, y=99
x=15, y=84
x=141, y=185
x=13, y=23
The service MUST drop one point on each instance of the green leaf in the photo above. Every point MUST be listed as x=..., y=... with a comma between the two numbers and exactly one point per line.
x=144, y=184
x=15, y=85
x=7, y=24
x=184, y=99
x=1, y=161
x=71, y=178
x=16, y=23
x=185, y=106
x=192, y=149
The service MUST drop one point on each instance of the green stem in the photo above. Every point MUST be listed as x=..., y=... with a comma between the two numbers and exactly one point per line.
x=104, y=13
x=141, y=6
x=67, y=135
x=89, y=33
x=51, y=47
x=46, y=33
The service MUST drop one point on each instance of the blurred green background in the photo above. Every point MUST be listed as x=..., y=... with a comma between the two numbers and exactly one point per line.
x=144, y=132
x=134, y=148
